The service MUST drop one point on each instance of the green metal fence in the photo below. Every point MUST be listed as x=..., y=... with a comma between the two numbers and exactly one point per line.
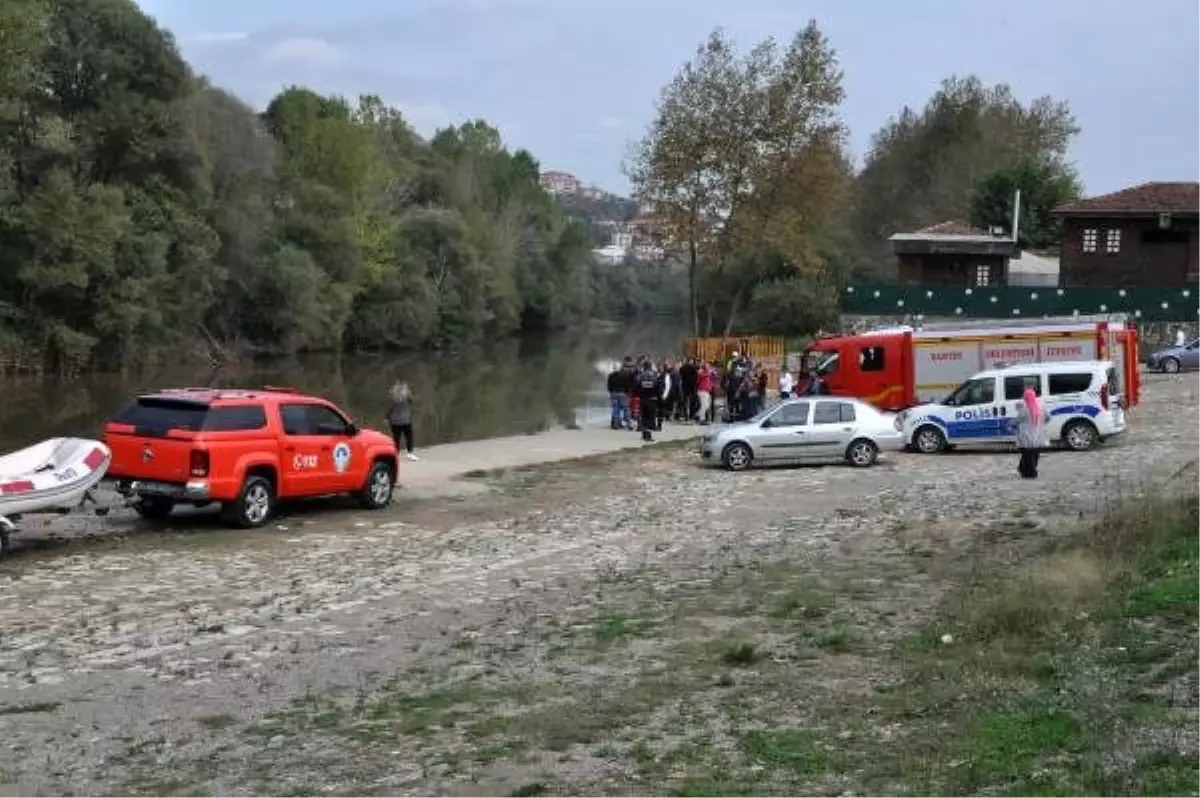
x=1141, y=304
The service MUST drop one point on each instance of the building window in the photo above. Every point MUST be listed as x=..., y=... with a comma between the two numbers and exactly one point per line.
x=1112, y=241
x=983, y=274
x=1091, y=239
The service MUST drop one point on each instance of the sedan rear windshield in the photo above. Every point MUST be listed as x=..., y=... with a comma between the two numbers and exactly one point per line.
x=161, y=415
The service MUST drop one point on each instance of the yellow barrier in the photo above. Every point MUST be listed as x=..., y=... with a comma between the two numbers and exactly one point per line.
x=766, y=352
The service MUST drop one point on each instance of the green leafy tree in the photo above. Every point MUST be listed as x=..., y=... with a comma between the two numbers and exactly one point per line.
x=923, y=166
x=1044, y=185
x=744, y=162
x=145, y=213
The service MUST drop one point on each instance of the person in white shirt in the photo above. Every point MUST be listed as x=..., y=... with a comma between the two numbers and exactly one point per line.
x=1180, y=337
x=787, y=384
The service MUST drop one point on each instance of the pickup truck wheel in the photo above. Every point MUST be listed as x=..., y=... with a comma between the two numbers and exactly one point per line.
x=376, y=493
x=254, y=504
x=154, y=508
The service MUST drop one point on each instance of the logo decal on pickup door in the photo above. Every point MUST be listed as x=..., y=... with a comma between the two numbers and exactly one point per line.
x=341, y=457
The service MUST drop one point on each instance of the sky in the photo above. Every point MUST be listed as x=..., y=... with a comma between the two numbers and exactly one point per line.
x=575, y=81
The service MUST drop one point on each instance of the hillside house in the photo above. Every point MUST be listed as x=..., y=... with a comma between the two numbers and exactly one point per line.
x=1141, y=236
x=952, y=253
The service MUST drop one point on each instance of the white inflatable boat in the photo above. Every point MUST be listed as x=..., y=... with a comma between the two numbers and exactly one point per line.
x=51, y=475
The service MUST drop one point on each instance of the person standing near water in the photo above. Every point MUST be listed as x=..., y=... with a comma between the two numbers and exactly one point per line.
x=399, y=418
x=1031, y=423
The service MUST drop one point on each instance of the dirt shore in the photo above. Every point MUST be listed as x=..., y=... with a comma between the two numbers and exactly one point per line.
x=562, y=632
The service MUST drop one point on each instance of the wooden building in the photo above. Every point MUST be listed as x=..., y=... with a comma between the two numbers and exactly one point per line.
x=953, y=253
x=1141, y=236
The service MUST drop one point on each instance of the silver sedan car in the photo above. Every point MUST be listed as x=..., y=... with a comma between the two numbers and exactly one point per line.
x=811, y=430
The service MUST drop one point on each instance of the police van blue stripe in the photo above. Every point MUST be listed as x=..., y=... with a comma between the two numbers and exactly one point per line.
x=1090, y=411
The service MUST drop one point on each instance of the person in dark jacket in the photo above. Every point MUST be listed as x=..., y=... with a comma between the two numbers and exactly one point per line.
x=649, y=390
x=689, y=375
x=618, y=397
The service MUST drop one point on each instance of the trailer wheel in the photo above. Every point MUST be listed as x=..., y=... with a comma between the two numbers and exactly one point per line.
x=929, y=440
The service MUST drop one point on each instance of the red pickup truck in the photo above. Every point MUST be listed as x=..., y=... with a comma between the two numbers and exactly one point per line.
x=246, y=450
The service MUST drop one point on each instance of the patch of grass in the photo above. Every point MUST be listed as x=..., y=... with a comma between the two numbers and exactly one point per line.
x=1029, y=679
x=740, y=654
x=1009, y=741
x=808, y=603
x=611, y=628
x=797, y=751
x=838, y=640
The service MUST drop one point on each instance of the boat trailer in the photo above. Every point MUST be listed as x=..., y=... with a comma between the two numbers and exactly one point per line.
x=9, y=523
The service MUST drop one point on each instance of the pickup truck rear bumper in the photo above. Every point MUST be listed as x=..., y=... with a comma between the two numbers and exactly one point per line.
x=190, y=491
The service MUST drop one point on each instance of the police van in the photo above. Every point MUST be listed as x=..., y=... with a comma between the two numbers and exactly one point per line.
x=1082, y=398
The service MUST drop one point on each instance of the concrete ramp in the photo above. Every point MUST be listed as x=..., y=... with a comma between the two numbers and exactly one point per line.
x=437, y=472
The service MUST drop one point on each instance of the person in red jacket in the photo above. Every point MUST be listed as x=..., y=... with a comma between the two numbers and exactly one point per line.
x=706, y=378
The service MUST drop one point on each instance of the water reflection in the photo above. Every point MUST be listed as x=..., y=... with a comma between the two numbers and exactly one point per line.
x=512, y=387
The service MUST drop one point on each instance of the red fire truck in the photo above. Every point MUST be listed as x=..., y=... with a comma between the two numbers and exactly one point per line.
x=901, y=367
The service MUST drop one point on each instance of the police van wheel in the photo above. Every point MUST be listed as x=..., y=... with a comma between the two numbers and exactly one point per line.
x=862, y=453
x=929, y=440
x=737, y=457
x=1080, y=435
x=1170, y=365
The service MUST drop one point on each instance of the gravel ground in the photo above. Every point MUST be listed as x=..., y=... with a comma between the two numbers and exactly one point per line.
x=122, y=661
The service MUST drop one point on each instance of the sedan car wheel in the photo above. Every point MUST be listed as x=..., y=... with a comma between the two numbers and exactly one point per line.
x=737, y=457
x=862, y=453
x=1170, y=365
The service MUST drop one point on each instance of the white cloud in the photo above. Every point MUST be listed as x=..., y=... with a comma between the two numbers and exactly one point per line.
x=304, y=50
x=222, y=37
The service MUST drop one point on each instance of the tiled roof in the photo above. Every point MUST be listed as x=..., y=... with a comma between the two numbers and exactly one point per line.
x=1146, y=198
x=952, y=228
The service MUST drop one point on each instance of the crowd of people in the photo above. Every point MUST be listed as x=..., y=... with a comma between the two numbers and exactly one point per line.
x=644, y=394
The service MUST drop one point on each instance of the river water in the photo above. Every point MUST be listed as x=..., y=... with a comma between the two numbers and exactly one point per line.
x=511, y=387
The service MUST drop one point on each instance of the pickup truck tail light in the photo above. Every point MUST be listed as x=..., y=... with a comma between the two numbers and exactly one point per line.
x=198, y=463
x=1104, y=396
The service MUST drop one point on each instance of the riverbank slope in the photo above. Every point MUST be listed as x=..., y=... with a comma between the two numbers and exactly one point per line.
x=633, y=623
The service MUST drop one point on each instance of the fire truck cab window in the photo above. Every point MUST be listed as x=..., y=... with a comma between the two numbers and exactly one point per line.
x=829, y=365
x=870, y=358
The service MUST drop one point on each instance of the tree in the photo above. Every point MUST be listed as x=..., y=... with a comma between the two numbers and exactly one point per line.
x=744, y=161
x=1044, y=185
x=145, y=213
x=923, y=166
